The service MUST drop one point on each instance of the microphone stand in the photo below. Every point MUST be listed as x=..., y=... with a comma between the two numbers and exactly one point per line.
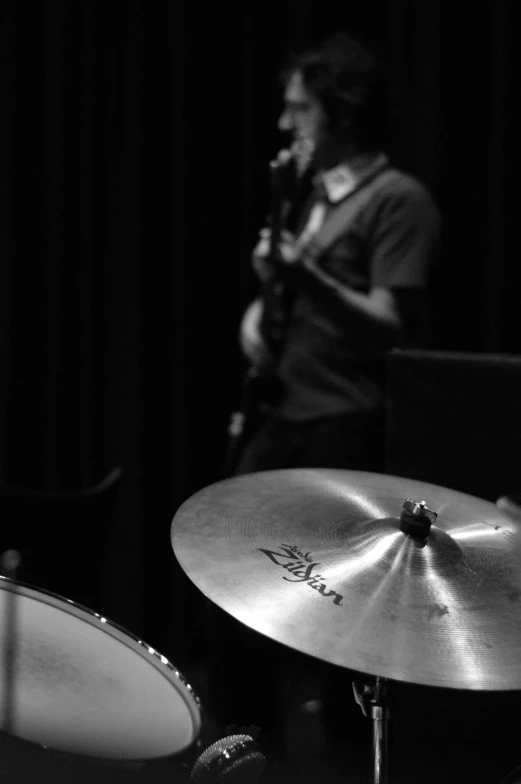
x=371, y=696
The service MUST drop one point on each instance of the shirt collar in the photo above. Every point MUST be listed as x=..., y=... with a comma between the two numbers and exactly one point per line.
x=341, y=180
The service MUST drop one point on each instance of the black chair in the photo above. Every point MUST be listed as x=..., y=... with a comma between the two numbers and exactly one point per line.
x=60, y=538
x=454, y=419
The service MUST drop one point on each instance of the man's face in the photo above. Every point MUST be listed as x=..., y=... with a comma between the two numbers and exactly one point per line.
x=303, y=115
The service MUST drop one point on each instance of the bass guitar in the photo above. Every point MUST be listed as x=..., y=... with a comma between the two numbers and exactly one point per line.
x=259, y=386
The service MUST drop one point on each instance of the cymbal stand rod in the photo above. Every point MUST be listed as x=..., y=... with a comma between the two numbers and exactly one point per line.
x=380, y=718
x=371, y=696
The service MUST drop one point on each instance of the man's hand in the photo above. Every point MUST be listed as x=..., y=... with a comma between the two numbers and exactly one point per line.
x=288, y=252
x=250, y=338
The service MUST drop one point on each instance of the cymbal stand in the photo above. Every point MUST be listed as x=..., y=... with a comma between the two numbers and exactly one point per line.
x=416, y=520
x=371, y=695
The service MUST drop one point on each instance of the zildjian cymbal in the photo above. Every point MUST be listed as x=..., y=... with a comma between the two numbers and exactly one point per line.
x=388, y=576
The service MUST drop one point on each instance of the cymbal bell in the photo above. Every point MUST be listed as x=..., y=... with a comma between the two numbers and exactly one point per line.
x=321, y=560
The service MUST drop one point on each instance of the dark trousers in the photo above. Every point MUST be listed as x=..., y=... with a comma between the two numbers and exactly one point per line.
x=246, y=669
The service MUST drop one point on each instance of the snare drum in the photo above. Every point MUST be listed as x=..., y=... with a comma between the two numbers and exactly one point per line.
x=72, y=681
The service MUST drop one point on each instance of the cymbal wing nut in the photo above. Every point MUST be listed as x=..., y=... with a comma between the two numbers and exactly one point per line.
x=416, y=519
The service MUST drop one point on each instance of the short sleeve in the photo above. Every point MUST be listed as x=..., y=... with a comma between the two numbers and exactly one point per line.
x=403, y=231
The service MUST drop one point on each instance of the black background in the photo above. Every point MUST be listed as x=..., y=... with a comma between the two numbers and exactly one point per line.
x=134, y=144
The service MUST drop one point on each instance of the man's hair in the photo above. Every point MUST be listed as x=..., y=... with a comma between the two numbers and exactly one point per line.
x=345, y=77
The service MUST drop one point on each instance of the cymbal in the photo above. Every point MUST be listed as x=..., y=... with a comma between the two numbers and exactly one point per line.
x=317, y=560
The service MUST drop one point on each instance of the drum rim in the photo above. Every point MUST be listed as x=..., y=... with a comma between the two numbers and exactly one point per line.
x=158, y=660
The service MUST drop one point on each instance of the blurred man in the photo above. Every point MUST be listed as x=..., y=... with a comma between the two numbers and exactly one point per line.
x=346, y=304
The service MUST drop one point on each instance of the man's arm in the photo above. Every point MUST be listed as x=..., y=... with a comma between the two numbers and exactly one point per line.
x=376, y=312
x=376, y=316
x=381, y=319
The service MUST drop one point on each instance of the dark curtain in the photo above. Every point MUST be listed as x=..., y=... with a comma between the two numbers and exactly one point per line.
x=134, y=144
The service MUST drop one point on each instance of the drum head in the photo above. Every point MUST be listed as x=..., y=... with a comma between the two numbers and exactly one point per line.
x=73, y=681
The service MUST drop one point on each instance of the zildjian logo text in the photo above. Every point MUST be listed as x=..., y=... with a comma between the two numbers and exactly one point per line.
x=301, y=567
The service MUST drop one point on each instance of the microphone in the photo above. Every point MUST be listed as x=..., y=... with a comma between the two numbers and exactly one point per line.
x=300, y=155
x=235, y=759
